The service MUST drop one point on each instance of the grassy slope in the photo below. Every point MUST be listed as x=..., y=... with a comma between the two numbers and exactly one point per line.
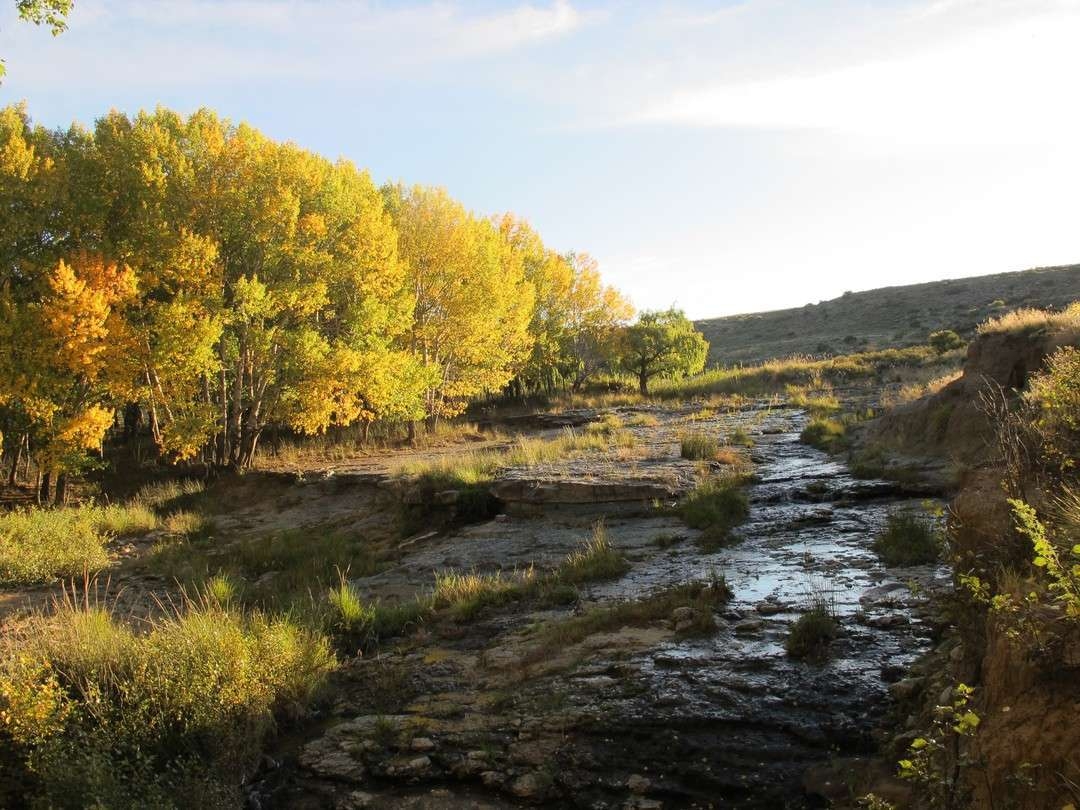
x=890, y=316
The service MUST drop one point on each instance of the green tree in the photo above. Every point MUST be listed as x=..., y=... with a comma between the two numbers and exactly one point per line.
x=663, y=343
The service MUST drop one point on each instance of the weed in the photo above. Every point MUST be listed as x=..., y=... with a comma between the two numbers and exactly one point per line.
x=909, y=538
x=598, y=560
x=824, y=433
x=740, y=438
x=715, y=506
x=699, y=446
x=165, y=718
x=810, y=635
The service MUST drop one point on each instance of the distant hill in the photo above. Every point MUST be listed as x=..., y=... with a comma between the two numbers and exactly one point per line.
x=889, y=316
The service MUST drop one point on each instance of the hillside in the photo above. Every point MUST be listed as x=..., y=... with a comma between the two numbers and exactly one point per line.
x=889, y=316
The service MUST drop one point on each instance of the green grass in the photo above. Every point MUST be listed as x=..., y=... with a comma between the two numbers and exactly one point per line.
x=825, y=433
x=171, y=717
x=699, y=446
x=909, y=538
x=811, y=634
x=597, y=560
x=715, y=507
x=463, y=596
x=740, y=438
x=39, y=545
x=288, y=570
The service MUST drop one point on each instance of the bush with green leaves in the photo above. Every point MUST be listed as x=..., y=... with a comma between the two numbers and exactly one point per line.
x=945, y=340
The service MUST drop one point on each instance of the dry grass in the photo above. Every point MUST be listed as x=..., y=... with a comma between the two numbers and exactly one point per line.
x=470, y=469
x=918, y=389
x=1035, y=320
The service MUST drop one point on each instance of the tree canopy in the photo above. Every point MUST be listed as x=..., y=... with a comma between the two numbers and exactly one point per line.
x=663, y=343
x=225, y=282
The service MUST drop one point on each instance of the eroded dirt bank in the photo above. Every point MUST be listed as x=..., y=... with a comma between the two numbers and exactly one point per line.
x=501, y=710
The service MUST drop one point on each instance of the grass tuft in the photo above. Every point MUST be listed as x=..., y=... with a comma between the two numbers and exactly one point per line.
x=699, y=446
x=909, y=538
x=811, y=634
x=598, y=560
x=715, y=507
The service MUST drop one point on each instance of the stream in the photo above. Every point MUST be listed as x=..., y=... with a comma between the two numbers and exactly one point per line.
x=639, y=717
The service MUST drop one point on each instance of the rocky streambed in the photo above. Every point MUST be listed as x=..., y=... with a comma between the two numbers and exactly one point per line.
x=635, y=714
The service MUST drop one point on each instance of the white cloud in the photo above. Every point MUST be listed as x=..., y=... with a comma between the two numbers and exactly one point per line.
x=176, y=41
x=1007, y=84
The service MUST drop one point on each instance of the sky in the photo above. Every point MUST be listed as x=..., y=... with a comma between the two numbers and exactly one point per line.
x=721, y=157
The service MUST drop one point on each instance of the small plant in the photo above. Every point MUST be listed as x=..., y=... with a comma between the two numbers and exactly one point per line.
x=944, y=341
x=598, y=560
x=824, y=433
x=811, y=634
x=349, y=611
x=699, y=446
x=219, y=590
x=909, y=538
x=740, y=438
x=667, y=539
x=715, y=506
x=934, y=761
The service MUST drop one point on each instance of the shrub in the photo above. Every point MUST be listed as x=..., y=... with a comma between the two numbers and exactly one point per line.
x=810, y=635
x=1053, y=400
x=169, y=718
x=715, y=506
x=909, y=538
x=699, y=446
x=945, y=340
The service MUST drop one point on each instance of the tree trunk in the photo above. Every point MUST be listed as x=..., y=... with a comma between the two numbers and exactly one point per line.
x=412, y=431
x=61, y=489
x=365, y=429
x=643, y=383
x=14, y=474
x=44, y=489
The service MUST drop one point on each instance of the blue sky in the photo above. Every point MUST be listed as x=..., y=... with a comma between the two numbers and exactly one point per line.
x=724, y=157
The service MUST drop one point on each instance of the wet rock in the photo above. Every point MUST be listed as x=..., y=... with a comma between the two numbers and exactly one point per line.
x=357, y=800
x=749, y=627
x=906, y=689
x=493, y=779
x=886, y=594
x=448, y=497
x=530, y=785
x=888, y=621
x=409, y=768
x=890, y=673
x=638, y=784
x=681, y=614
x=422, y=744
x=324, y=758
x=946, y=696
x=770, y=608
